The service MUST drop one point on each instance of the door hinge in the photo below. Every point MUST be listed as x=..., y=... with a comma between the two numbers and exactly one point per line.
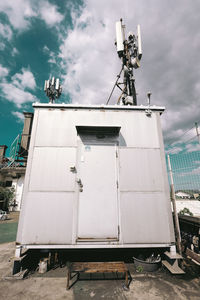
x=118, y=230
x=117, y=184
x=116, y=154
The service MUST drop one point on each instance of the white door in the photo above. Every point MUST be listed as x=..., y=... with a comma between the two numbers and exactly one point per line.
x=98, y=192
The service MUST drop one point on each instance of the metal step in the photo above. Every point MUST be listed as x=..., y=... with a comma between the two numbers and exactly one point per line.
x=173, y=256
x=19, y=276
x=174, y=269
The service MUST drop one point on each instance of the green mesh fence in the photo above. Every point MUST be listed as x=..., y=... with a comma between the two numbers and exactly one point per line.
x=186, y=172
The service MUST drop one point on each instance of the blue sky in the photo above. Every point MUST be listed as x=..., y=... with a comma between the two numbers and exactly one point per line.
x=74, y=40
x=30, y=34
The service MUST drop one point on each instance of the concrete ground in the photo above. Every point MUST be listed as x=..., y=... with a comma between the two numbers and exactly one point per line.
x=52, y=285
x=8, y=228
x=13, y=217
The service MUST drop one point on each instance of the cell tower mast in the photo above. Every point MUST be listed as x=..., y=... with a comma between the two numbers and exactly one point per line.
x=130, y=52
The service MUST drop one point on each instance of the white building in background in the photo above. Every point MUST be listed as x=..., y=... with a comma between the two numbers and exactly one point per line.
x=13, y=177
x=192, y=205
x=183, y=195
x=18, y=184
x=12, y=169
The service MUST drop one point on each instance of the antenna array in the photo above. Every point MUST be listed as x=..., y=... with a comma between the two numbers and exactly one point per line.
x=52, y=89
x=130, y=52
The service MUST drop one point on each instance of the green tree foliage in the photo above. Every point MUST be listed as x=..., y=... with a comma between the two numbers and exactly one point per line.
x=186, y=212
x=8, y=195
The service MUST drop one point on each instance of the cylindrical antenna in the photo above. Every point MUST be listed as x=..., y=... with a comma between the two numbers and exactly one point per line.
x=119, y=38
x=139, y=42
x=123, y=30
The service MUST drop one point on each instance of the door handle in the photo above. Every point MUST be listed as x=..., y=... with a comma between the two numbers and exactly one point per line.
x=79, y=182
x=73, y=169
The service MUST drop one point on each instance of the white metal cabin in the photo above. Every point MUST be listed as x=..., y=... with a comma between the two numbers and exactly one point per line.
x=96, y=178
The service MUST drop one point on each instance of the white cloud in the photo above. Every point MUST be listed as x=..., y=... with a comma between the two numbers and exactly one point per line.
x=24, y=80
x=3, y=71
x=16, y=95
x=174, y=150
x=52, y=57
x=5, y=31
x=2, y=46
x=20, y=12
x=89, y=54
x=14, y=51
x=18, y=115
x=196, y=171
x=193, y=147
x=175, y=137
x=169, y=66
x=52, y=60
x=46, y=49
x=49, y=13
x=16, y=92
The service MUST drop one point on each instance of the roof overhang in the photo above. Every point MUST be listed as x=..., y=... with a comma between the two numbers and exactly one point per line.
x=64, y=106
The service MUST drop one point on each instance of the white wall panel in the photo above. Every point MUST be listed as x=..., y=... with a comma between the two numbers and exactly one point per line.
x=145, y=218
x=55, y=128
x=58, y=127
x=141, y=170
x=138, y=130
x=50, y=170
x=48, y=218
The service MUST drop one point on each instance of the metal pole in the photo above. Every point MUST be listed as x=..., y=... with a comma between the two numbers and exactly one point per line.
x=197, y=130
x=118, y=76
x=173, y=199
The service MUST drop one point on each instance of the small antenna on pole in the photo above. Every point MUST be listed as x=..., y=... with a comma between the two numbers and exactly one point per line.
x=149, y=98
x=148, y=111
x=52, y=89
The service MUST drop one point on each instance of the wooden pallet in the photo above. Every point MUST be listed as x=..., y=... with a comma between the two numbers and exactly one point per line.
x=194, y=256
x=97, y=267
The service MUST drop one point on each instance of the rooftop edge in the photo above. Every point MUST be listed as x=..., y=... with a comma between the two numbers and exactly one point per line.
x=100, y=106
